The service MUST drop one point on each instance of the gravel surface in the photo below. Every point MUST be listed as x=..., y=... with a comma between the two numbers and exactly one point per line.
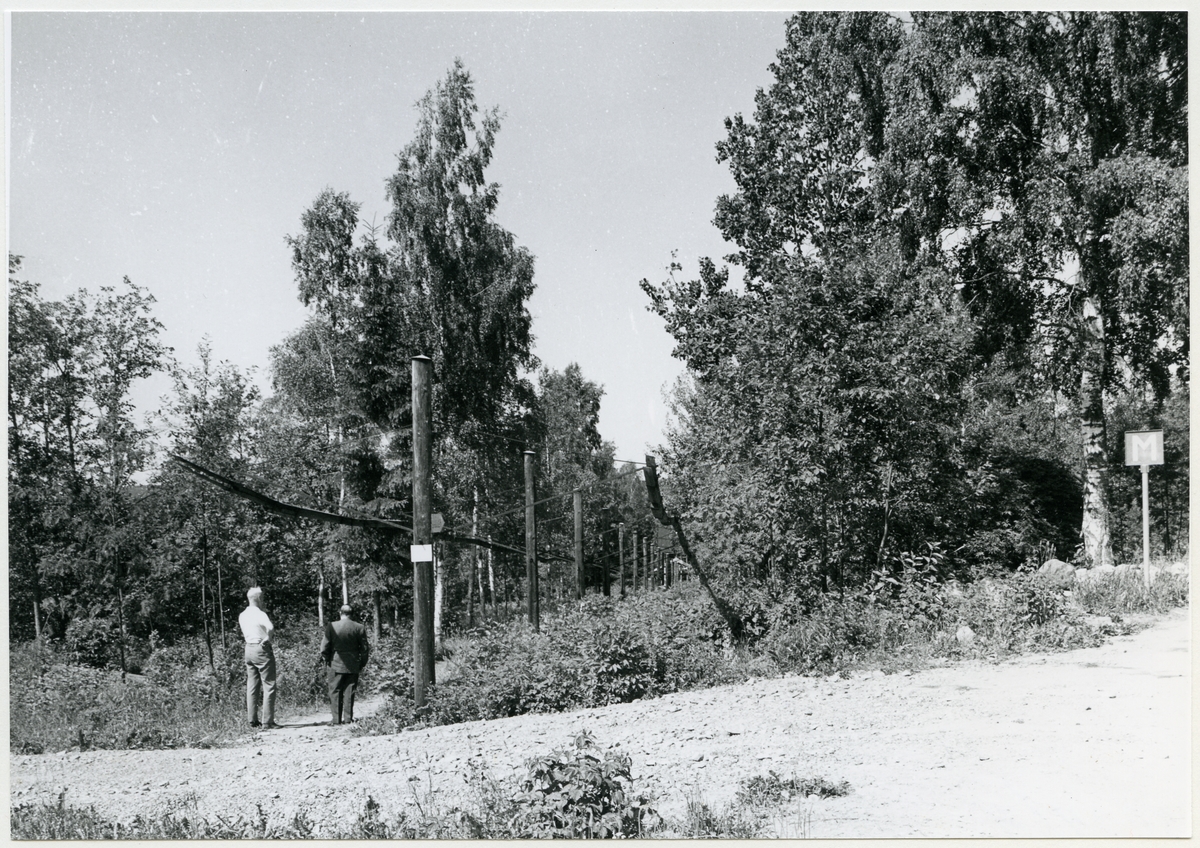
x=1089, y=743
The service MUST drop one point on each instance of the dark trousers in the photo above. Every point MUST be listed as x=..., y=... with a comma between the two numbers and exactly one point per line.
x=341, y=695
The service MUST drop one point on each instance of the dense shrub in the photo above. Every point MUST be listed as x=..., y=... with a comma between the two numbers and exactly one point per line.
x=91, y=641
x=599, y=652
x=58, y=706
x=581, y=794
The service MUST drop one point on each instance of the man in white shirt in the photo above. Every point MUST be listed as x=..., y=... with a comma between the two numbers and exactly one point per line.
x=260, y=660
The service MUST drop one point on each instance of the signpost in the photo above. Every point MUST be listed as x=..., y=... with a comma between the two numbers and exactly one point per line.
x=1144, y=448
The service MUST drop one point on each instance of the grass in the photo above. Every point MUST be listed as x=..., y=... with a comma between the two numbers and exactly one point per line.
x=578, y=792
x=179, y=701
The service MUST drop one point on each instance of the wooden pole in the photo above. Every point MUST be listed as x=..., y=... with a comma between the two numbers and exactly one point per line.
x=1146, y=524
x=422, y=556
x=637, y=556
x=204, y=598
x=531, y=568
x=578, y=498
x=606, y=574
x=221, y=605
x=621, y=554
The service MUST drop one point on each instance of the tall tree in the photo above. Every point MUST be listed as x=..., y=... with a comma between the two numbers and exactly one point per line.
x=1038, y=158
x=1054, y=147
x=74, y=446
x=449, y=283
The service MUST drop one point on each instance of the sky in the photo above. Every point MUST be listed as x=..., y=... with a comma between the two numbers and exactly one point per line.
x=179, y=149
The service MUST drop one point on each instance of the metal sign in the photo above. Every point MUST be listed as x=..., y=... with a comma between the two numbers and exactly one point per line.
x=438, y=523
x=421, y=553
x=1143, y=447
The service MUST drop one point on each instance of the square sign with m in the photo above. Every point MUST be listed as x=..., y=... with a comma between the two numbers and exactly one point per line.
x=1143, y=447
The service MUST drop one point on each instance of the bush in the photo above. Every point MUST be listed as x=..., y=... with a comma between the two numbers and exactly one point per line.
x=600, y=652
x=581, y=794
x=59, y=706
x=835, y=636
x=91, y=641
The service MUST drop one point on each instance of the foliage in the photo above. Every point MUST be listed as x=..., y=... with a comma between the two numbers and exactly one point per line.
x=582, y=793
x=812, y=481
x=943, y=228
x=74, y=448
x=181, y=700
x=58, y=706
x=599, y=653
x=60, y=822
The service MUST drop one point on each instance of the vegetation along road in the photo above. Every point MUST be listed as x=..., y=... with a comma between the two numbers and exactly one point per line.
x=1087, y=743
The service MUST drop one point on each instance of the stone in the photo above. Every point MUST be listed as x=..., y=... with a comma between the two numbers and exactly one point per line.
x=965, y=635
x=1056, y=571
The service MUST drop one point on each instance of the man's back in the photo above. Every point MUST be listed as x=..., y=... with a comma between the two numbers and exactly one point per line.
x=345, y=646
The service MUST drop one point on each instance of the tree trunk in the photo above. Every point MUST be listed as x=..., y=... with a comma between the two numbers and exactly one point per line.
x=474, y=568
x=1097, y=544
x=726, y=612
x=321, y=598
x=377, y=611
x=491, y=577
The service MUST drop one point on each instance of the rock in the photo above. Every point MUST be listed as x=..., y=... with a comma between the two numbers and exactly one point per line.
x=1057, y=572
x=965, y=635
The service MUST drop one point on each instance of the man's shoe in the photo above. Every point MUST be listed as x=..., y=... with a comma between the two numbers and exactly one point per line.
x=334, y=723
x=256, y=724
x=272, y=725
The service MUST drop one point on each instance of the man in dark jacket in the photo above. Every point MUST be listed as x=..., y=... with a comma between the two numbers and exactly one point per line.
x=345, y=650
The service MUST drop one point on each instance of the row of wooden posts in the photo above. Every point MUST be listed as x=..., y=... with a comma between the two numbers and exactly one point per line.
x=666, y=567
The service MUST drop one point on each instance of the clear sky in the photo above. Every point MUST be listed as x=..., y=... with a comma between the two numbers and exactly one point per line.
x=179, y=149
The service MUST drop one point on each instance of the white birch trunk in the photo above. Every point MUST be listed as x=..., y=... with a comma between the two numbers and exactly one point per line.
x=1097, y=544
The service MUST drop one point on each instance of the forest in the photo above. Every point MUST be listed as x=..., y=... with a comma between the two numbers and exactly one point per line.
x=958, y=274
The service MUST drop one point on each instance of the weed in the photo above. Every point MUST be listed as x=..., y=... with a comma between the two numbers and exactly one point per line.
x=1123, y=592
x=702, y=822
x=579, y=793
x=759, y=791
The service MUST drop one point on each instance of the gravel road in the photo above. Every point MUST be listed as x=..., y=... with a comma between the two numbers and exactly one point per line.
x=1089, y=743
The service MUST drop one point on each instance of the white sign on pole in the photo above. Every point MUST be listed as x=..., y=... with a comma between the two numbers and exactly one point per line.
x=421, y=553
x=1143, y=447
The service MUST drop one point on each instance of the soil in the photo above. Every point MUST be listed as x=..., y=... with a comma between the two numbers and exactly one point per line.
x=1088, y=743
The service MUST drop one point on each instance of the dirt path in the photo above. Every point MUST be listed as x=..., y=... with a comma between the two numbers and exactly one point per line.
x=1091, y=743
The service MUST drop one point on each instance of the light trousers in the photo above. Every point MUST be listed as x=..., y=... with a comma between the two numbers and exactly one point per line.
x=260, y=682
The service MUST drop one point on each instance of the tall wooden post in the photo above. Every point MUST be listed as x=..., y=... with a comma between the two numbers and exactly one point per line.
x=422, y=549
x=637, y=556
x=649, y=581
x=621, y=553
x=531, y=566
x=606, y=574
x=578, y=499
